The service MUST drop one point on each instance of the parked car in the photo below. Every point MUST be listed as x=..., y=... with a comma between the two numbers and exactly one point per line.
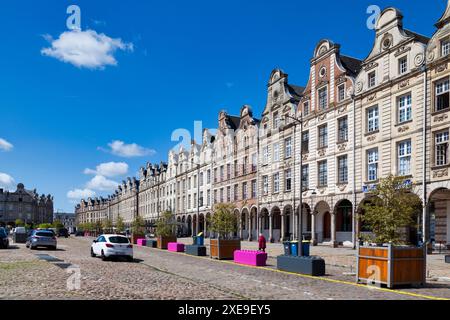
x=108, y=246
x=79, y=234
x=63, y=232
x=4, y=241
x=41, y=238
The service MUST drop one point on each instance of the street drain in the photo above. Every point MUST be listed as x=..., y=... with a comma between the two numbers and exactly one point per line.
x=48, y=258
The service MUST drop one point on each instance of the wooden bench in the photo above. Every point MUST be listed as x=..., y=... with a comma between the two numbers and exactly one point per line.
x=251, y=258
x=175, y=247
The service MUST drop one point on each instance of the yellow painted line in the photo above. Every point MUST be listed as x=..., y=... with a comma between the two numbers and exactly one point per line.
x=416, y=295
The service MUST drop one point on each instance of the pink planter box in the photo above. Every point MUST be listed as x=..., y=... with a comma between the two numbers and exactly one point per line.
x=251, y=258
x=141, y=242
x=175, y=247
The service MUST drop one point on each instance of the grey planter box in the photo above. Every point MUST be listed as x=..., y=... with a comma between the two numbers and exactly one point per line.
x=195, y=250
x=152, y=243
x=313, y=266
x=20, y=237
x=447, y=259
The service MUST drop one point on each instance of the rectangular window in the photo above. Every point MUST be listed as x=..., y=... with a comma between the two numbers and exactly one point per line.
x=244, y=191
x=228, y=194
x=222, y=174
x=288, y=180
x=201, y=179
x=306, y=108
x=215, y=197
x=266, y=155
x=372, y=119
x=372, y=165
x=442, y=143
x=265, y=186
x=276, y=183
x=371, y=79
x=276, y=152
x=288, y=147
x=195, y=181
x=229, y=171
x=343, y=129
x=208, y=176
x=305, y=177
x=323, y=173
x=323, y=136
x=442, y=95
x=215, y=175
x=254, y=162
x=254, y=189
x=245, y=165
x=236, y=168
x=305, y=142
x=341, y=92
x=342, y=169
x=445, y=47
x=402, y=65
x=323, y=98
x=404, y=158
x=405, y=108
x=236, y=192
x=276, y=120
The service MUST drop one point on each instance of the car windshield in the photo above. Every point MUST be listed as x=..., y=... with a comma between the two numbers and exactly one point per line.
x=118, y=240
x=44, y=234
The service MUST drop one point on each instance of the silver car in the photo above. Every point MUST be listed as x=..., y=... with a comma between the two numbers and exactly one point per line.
x=41, y=238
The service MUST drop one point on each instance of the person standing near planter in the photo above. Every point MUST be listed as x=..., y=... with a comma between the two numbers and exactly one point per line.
x=262, y=243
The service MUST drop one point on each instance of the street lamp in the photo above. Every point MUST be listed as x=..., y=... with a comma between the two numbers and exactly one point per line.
x=299, y=226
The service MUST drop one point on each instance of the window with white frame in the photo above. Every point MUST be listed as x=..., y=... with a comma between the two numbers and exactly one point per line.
x=371, y=79
x=323, y=136
x=442, y=95
x=445, y=47
x=276, y=152
x=343, y=169
x=402, y=65
x=305, y=141
x=305, y=177
x=236, y=192
x=442, y=143
x=372, y=119
x=265, y=186
x=323, y=173
x=404, y=158
x=276, y=182
x=372, y=165
x=288, y=180
x=323, y=98
x=306, y=108
x=254, y=189
x=341, y=92
x=266, y=155
x=254, y=162
x=405, y=108
x=276, y=120
x=288, y=147
x=343, y=129
x=244, y=191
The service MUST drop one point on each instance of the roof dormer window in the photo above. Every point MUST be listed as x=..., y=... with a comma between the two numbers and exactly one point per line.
x=371, y=79
x=445, y=47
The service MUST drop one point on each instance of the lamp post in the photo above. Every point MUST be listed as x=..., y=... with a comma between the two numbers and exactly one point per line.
x=300, y=222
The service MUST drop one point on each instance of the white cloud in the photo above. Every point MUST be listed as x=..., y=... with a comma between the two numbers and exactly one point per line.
x=6, y=180
x=5, y=145
x=102, y=184
x=79, y=194
x=85, y=49
x=121, y=149
x=110, y=169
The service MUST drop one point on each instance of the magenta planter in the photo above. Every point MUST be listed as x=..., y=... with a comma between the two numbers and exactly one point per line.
x=141, y=242
x=175, y=247
x=251, y=258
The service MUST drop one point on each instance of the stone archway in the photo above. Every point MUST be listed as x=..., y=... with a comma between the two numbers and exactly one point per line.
x=201, y=223
x=264, y=223
x=275, y=235
x=323, y=222
x=245, y=224
x=288, y=223
x=439, y=218
x=253, y=224
x=189, y=226
x=194, y=225
x=208, y=225
x=344, y=221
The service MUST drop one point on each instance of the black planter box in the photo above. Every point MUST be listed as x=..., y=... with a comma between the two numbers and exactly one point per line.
x=313, y=266
x=152, y=243
x=447, y=259
x=196, y=250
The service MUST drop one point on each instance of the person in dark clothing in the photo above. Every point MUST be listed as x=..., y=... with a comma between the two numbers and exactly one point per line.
x=262, y=243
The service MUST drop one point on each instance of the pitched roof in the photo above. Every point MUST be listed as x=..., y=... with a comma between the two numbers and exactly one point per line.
x=233, y=121
x=296, y=91
x=420, y=37
x=351, y=64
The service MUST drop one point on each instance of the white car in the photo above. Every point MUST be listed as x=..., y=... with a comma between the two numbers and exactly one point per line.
x=112, y=245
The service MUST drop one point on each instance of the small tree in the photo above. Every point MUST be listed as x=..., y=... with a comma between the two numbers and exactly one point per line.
x=138, y=226
x=165, y=226
x=57, y=224
x=120, y=225
x=107, y=225
x=223, y=221
x=19, y=223
x=45, y=226
x=391, y=208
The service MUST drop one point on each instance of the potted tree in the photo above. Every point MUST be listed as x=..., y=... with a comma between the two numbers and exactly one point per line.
x=137, y=229
x=107, y=226
x=120, y=225
x=223, y=223
x=388, y=258
x=165, y=230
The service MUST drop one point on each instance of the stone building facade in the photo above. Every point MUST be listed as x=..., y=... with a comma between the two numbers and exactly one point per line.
x=309, y=162
x=26, y=205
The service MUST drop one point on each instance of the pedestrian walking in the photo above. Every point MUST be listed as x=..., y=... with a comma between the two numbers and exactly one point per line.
x=262, y=242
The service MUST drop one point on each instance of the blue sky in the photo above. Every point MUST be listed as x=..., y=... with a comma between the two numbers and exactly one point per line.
x=175, y=62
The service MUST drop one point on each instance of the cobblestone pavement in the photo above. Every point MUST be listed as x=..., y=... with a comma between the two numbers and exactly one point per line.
x=157, y=274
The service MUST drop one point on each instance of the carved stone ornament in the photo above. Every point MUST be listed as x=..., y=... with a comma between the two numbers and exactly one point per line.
x=403, y=84
x=440, y=173
x=323, y=117
x=342, y=187
x=372, y=97
x=402, y=50
x=403, y=129
x=430, y=55
x=305, y=157
x=370, y=66
x=322, y=190
x=441, y=67
x=359, y=86
x=321, y=152
x=371, y=138
x=342, y=109
x=419, y=60
x=441, y=118
x=342, y=146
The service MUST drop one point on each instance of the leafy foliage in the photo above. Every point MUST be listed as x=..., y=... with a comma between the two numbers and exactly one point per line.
x=19, y=223
x=165, y=226
x=120, y=225
x=107, y=225
x=223, y=221
x=138, y=226
x=391, y=208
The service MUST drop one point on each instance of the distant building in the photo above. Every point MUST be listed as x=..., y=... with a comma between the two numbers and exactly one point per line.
x=26, y=205
x=67, y=219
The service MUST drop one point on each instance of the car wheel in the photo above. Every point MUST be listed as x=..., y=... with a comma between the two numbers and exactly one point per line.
x=92, y=253
x=104, y=258
x=130, y=259
x=32, y=248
